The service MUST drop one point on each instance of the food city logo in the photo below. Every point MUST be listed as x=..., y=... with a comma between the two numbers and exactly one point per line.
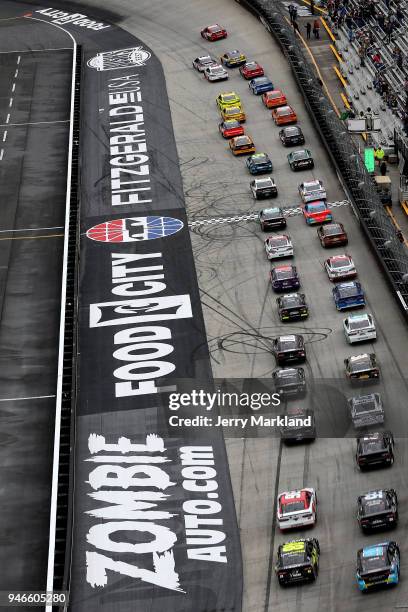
x=134, y=229
x=62, y=18
x=130, y=496
x=119, y=58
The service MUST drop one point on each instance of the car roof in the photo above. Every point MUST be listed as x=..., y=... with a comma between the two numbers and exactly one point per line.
x=337, y=257
x=289, y=496
x=295, y=546
x=374, y=550
x=347, y=285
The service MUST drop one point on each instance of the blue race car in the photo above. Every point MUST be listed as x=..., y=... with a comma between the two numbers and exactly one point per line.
x=378, y=565
x=260, y=85
x=348, y=295
x=259, y=163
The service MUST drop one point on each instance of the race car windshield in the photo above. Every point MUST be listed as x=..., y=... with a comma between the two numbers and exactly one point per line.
x=205, y=60
x=229, y=97
x=291, y=301
x=375, y=506
x=277, y=242
x=369, y=564
x=250, y=65
x=314, y=208
x=261, y=80
x=339, y=263
x=312, y=187
x=360, y=364
x=269, y=212
x=288, y=375
x=234, y=110
x=365, y=406
x=284, y=274
x=287, y=345
x=231, y=123
x=373, y=446
x=292, y=506
x=292, y=131
x=260, y=158
x=359, y=324
x=214, y=28
x=331, y=230
x=346, y=292
x=292, y=558
x=300, y=155
x=217, y=70
x=284, y=111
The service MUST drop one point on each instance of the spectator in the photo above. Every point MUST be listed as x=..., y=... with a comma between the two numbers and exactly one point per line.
x=308, y=30
x=400, y=61
x=312, y=8
x=400, y=236
x=379, y=154
x=291, y=8
x=295, y=13
x=296, y=27
x=350, y=35
x=361, y=53
x=316, y=28
x=399, y=14
x=383, y=168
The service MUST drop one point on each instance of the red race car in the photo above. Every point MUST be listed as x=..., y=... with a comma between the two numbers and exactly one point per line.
x=250, y=70
x=273, y=99
x=317, y=212
x=231, y=128
x=214, y=32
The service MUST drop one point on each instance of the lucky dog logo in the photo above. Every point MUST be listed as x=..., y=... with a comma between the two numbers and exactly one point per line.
x=134, y=229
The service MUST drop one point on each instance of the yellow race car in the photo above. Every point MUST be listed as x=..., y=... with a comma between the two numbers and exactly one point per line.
x=242, y=145
x=228, y=98
x=233, y=112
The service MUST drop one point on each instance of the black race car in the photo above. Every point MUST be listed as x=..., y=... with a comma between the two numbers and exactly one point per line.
x=300, y=160
x=263, y=188
x=289, y=348
x=271, y=218
x=302, y=431
x=375, y=449
x=362, y=367
x=378, y=565
x=298, y=561
x=377, y=509
x=292, y=307
x=284, y=278
x=291, y=135
x=289, y=381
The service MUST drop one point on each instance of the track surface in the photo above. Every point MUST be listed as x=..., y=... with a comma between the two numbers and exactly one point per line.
x=233, y=278
x=34, y=87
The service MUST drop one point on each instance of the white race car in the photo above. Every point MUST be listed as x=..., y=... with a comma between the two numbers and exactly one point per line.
x=216, y=73
x=359, y=327
x=296, y=508
x=203, y=61
x=278, y=246
x=312, y=190
x=340, y=267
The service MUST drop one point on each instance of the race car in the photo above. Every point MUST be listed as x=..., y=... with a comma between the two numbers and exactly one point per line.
x=284, y=277
x=233, y=112
x=359, y=328
x=274, y=98
x=300, y=427
x=332, y=234
x=288, y=349
x=227, y=99
x=260, y=85
x=259, y=163
x=300, y=160
x=377, y=509
x=292, y=135
x=203, y=62
x=284, y=115
x=231, y=128
x=296, y=509
x=214, y=32
x=233, y=59
x=272, y=218
x=311, y=191
x=366, y=410
x=292, y=307
x=264, y=188
x=278, y=246
x=340, y=267
x=378, y=565
x=317, y=212
x=298, y=561
x=250, y=70
x=375, y=449
x=361, y=367
x=242, y=145
x=348, y=295
x=216, y=73
x=289, y=381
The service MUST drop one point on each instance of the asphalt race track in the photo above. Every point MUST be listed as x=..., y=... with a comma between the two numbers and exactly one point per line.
x=232, y=271
x=240, y=313
x=34, y=113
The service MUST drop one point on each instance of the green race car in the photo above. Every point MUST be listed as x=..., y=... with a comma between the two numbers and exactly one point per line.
x=298, y=561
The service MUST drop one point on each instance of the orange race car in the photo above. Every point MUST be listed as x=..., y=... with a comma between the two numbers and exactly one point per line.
x=284, y=115
x=273, y=99
x=242, y=145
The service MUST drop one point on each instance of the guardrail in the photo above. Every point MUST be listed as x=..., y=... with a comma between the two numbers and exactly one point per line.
x=61, y=494
x=344, y=154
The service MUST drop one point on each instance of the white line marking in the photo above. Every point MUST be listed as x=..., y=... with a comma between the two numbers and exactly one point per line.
x=33, y=229
x=20, y=399
x=7, y=119
x=1, y=154
x=37, y=50
x=4, y=135
x=18, y=60
x=13, y=88
x=11, y=102
x=16, y=74
x=34, y=122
